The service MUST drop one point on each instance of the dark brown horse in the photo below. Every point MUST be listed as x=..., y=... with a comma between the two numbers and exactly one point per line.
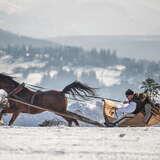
x=51, y=100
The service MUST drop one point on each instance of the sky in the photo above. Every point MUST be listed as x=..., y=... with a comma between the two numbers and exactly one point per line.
x=50, y=18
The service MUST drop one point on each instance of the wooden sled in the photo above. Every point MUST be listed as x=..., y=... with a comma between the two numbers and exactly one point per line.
x=131, y=120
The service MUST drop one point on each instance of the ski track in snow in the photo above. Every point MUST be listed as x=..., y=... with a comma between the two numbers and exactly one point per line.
x=85, y=143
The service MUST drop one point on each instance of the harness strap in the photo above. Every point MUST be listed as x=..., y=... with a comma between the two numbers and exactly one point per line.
x=17, y=89
x=33, y=97
x=33, y=100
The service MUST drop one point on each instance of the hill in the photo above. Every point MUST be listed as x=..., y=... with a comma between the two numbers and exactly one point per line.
x=143, y=47
x=8, y=38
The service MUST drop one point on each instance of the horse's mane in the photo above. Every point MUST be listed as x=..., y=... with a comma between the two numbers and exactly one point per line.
x=7, y=78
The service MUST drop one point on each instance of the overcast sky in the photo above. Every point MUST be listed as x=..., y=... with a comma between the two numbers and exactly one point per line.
x=49, y=18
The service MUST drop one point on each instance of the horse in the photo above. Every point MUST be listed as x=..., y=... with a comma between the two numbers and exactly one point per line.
x=138, y=119
x=51, y=100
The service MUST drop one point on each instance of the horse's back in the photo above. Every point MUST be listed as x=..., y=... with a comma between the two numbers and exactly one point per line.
x=51, y=99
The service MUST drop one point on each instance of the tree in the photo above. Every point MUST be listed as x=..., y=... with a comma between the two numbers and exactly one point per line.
x=151, y=88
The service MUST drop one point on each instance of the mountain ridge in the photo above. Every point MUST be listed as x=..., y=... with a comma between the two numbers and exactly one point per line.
x=9, y=38
x=132, y=46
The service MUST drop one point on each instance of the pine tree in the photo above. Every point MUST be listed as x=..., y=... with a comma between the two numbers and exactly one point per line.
x=151, y=88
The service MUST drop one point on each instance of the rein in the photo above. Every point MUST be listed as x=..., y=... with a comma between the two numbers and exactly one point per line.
x=95, y=97
x=103, y=98
x=17, y=89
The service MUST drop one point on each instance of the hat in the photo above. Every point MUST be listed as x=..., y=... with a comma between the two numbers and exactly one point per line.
x=129, y=92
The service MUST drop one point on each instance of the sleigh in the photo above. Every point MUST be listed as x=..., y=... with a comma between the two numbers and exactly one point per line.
x=129, y=120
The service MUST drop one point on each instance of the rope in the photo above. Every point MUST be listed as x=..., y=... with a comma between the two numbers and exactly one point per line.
x=102, y=98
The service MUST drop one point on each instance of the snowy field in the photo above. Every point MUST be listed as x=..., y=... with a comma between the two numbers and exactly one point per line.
x=25, y=140
x=85, y=143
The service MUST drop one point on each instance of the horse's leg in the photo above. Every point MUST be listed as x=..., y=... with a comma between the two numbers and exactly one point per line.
x=69, y=123
x=69, y=120
x=14, y=116
x=76, y=122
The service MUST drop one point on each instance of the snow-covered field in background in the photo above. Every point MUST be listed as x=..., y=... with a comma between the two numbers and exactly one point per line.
x=83, y=143
x=7, y=66
x=105, y=76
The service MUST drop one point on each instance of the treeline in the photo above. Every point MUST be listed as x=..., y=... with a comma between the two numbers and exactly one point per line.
x=60, y=56
x=64, y=55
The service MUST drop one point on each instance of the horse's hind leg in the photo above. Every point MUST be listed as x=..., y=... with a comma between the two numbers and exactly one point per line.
x=14, y=116
x=69, y=120
x=72, y=120
x=76, y=122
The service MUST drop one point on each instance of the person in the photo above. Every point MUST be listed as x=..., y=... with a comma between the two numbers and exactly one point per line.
x=129, y=105
x=3, y=97
x=3, y=102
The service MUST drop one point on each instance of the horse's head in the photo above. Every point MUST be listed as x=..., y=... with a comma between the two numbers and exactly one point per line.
x=7, y=83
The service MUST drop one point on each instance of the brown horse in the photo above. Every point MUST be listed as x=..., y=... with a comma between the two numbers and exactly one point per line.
x=136, y=120
x=51, y=100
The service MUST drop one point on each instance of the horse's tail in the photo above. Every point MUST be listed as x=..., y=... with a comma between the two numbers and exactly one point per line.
x=77, y=89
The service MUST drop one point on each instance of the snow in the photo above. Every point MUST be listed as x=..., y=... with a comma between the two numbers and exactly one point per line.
x=66, y=68
x=106, y=76
x=35, y=78
x=26, y=65
x=4, y=64
x=84, y=143
x=53, y=73
x=5, y=61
